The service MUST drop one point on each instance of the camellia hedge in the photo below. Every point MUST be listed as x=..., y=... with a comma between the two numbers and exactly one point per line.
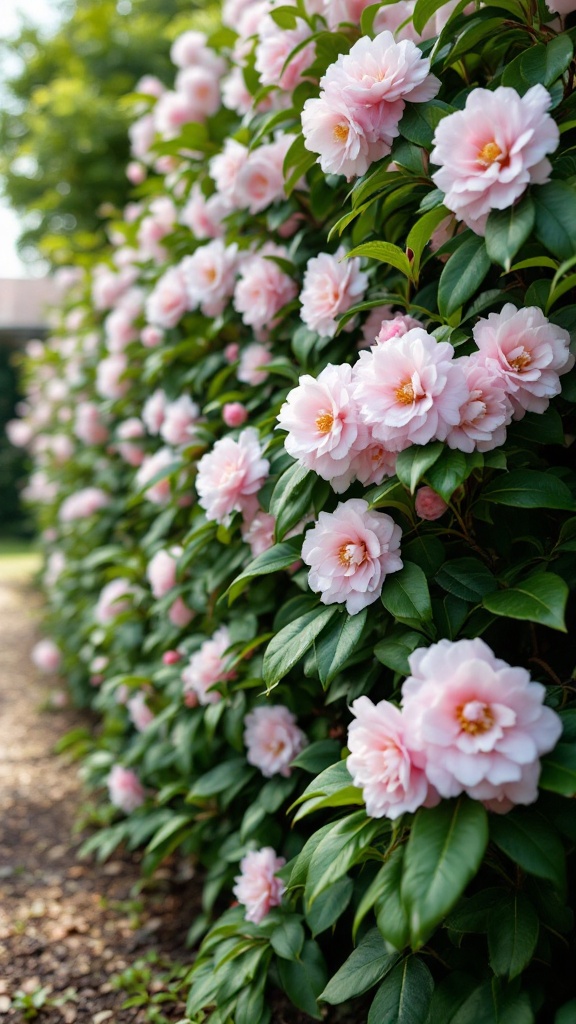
x=305, y=469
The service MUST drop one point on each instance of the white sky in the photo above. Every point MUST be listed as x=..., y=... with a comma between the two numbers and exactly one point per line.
x=40, y=12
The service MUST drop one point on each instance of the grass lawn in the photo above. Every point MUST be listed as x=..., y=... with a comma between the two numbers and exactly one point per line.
x=19, y=559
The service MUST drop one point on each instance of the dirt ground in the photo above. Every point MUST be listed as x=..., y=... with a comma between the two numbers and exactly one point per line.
x=65, y=926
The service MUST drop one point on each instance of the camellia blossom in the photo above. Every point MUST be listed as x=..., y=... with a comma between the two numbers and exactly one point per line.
x=234, y=414
x=230, y=476
x=257, y=887
x=140, y=714
x=274, y=48
x=154, y=411
x=179, y=614
x=350, y=551
x=168, y=301
x=258, y=533
x=158, y=493
x=83, y=503
x=492, y=150
x=526, y=353
x=115, y=598
x=161, y=571
x=208, y=667
x=475, y=724
x=355, y=119
x=323, y=424
x=252, y=358
x=380, y=761
x=410, y=390
x=180, y=421
x=331, y=286
x=260, y=179
x=46, y=656
x=210, y=275
x=396, y=327
x=125, y=789
x=262, y=290
x=428, y=504
x=273, y=739
x=485, y=414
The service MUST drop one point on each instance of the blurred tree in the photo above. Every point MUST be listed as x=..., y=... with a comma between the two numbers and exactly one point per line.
x=63, y=142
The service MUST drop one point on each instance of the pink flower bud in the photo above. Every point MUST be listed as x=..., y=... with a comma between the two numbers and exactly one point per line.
x=171, y=657
x=231, y=352
x=234, y=414
x=429, y=505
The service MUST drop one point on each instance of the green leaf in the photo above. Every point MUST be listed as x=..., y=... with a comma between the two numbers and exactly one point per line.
x=178, y=823
x=451, y=470
x=559, y=770
x=421, y=233
x=287, y=939
x=395, y=650
x=412, y=463
x=341, y=848
x=527, y=838
x=540, y=64
x=326, y=910
x=318, y=756
x=487, y=1004
x=390, y=912
x=462, y=275
x=507, y=230
x=513, y=928
x=567, y=1013
x=406, y=596
x=276, y=558
x=404, y=995
x=304, y=979
x=219, y=778
x=291, y=498
x=529, y=488
x=292, y=642
x=420, y=121
x=556, y=218
x=365, y=967
x=384, y=252
x=337, y=643
x=467, y=578
x=423, y=11
x=444, y=852
x=541, y=598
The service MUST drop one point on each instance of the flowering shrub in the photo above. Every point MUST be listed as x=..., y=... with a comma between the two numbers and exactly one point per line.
x=304, y=469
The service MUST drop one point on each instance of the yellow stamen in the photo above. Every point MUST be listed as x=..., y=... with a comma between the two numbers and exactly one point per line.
x=405, y=393
x=325, y=422
x=489, y=153
x=482, y=723
x=340, y=132
x=520, y=362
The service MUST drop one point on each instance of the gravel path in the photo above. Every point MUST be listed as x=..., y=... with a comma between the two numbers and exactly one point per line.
x=65, y=925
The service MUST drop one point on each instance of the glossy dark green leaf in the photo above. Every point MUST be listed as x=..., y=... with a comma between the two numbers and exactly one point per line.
x=412, y=463
x=337, y=642
x=329, y=906
x=287, y=939
x=365, y=967
x=527, y=838
x=541, y=598
x=556, y=218
x=276, y=558
x=395, y=650
x=404, y=995
x=507, y=230
x=451, y=470
x=304, y=979
x=529, y=488
x=405, y=594
x=292, y=642
x=467, y=578
x=443, y=854
x=463, y=275
x=559, y=770
x=513, y=928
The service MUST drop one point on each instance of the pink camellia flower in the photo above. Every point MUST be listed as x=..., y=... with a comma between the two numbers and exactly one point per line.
x=225, y=167
x=371, y=464
x=526, y=353
x=204, y=215
x=168, y=301
x=207, y=667
x=142, y=133
x=88, y=425
x=159, y=492
x=210, y=275
x=140, y=714
x=230, y=475
x=154, y=411
x=83, y=503
x=382, y=70
x=115, y=598
x=260, y=180
x=109, y=376
x=180, y=421
x=323, y=424
x=350, y=551
x=127, y=433
x=259, y=532
x=339, y=12
x=180, y=614
x=19, y=433
x=274, y=48
x=410, y=390
x=428, y=504
x=231, y=352
x=257, y=887
x=347, y=140
x=125, y=789
x=252, y=358
x=475, y=724
x=136, y=172
x=190, y=49
x=234, y=414
x=171, y=657
x=561, y=7
x=262, y=290
x=273, y=739
x=201, y=88
x=46, y=656
x=485, y=414
x=119, y=324
x=396, y=327
x=162, y=570
x=492, y=150
x=151, y=336
x=380, y=761
x=331, y=286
